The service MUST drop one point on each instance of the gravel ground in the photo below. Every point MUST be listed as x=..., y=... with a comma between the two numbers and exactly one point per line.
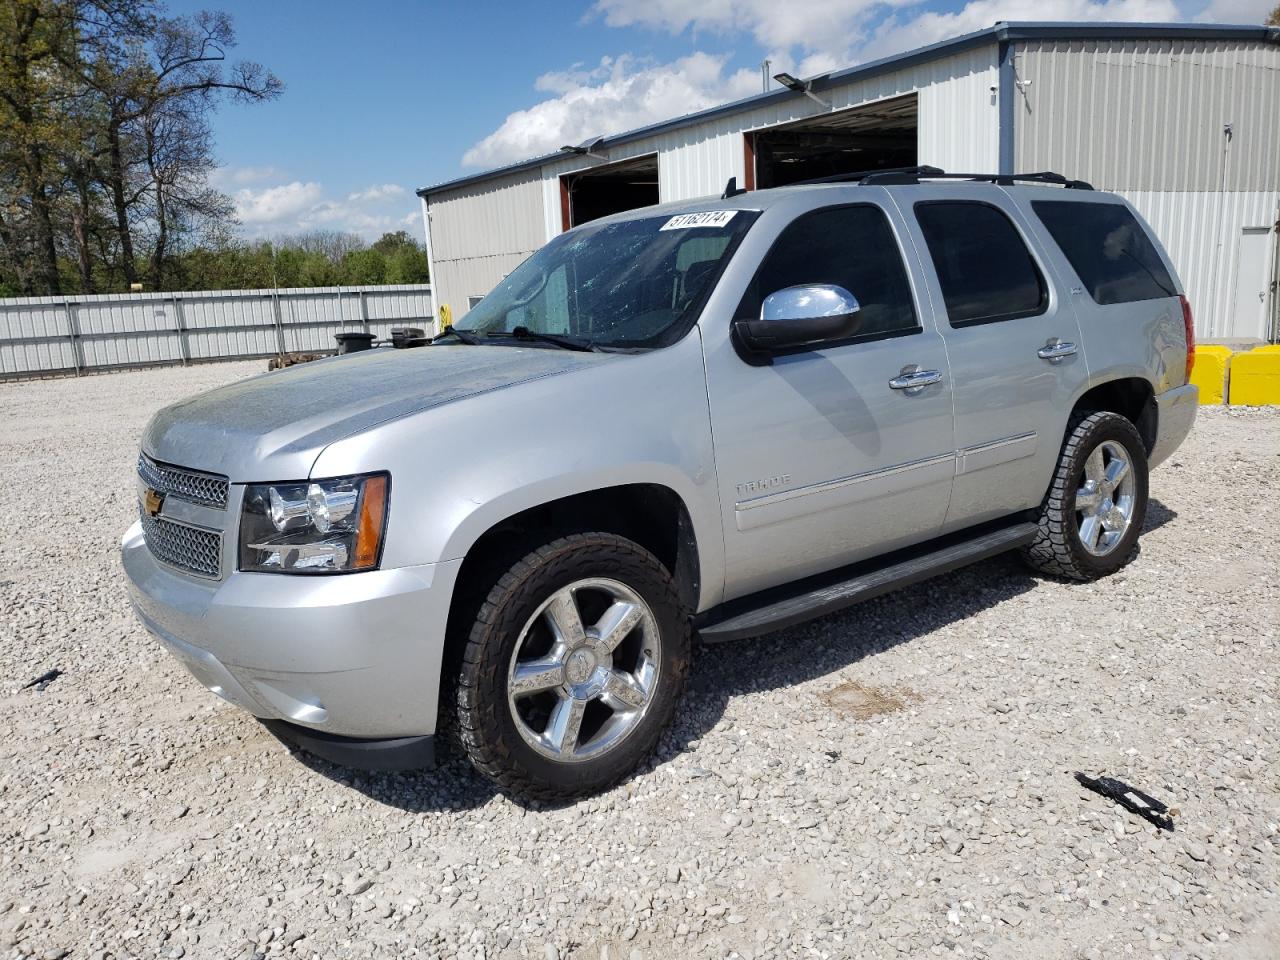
x=896, y=780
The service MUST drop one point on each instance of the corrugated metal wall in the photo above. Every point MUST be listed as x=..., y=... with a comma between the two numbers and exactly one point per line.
x=40, y=335
x=480, y=232
x=1149, y=115
x=1201, y=231
x=1146, y=119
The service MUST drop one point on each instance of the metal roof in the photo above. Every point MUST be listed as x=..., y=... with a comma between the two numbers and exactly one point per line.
x=1000, y=33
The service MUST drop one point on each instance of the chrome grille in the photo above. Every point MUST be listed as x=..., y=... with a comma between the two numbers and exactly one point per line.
x=187, y=548
x=206, y=488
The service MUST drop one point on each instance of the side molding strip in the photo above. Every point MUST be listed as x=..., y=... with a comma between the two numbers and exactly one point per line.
x=827, y=485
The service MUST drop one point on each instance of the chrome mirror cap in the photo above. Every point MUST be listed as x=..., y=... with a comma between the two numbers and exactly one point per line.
x=809, y=302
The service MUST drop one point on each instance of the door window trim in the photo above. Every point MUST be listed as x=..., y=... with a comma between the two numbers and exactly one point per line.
x=1045, y=292
x=915, y=301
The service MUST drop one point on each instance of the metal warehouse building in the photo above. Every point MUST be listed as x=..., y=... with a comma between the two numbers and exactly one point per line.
x=1182, y=119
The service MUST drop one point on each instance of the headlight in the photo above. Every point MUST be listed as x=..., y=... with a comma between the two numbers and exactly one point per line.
x=315, y=526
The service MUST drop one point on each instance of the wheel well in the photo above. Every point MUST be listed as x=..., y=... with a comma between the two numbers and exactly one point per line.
x=652, y=515
x=1132, y=398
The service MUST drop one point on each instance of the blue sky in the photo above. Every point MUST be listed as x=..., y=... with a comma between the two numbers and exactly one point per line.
x=386, y=96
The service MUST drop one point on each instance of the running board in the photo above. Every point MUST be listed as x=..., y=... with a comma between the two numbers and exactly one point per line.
x=786, y=606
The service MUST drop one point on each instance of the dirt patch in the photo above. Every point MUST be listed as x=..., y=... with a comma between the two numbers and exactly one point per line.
x=862, y=702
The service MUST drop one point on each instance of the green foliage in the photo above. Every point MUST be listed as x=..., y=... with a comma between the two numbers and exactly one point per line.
x=308, y=260
x=365, y=266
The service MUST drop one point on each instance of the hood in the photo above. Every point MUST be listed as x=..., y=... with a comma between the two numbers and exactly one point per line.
x=273, y=427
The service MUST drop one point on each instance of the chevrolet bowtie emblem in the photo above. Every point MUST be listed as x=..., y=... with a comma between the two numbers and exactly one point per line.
x=152, y=501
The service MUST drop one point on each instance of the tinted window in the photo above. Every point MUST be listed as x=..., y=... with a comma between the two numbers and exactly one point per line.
x=851, y=247
x=1108, y=249
x=984, y=268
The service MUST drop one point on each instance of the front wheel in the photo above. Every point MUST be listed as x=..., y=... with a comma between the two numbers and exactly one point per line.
x=573, y=667
x=1094, y=510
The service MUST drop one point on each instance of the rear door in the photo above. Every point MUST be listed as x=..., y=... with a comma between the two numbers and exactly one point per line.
x=1012, y=343
x=1124, y=290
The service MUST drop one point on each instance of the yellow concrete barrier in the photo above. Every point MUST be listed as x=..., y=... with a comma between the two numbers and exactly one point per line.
x=1210, y=372
x=1255, y=377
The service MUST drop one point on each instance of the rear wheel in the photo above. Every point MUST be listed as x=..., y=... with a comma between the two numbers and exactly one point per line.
x=573, y=667
x=1094, y=510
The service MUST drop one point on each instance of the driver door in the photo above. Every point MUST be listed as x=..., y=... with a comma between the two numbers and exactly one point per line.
x=824, y=457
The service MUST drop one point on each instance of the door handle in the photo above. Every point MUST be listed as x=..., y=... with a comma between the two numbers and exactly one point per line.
x=912, y=381
x=1055, y=351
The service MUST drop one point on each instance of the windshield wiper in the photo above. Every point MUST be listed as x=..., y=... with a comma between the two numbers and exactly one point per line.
x=563, y=342
x=464, y=335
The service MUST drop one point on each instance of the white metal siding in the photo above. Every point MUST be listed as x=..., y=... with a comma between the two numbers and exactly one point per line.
x=480, y=231
x=1201, y=231
x=51, y=334
x=1149, y=115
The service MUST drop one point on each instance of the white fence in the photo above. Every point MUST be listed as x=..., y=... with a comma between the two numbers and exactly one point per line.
x=40, y=336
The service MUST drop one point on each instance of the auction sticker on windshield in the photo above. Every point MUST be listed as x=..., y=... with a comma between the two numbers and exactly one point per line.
x=709, y=218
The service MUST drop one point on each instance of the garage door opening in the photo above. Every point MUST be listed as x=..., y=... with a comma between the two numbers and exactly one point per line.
x=877, y=136
x=610, y=188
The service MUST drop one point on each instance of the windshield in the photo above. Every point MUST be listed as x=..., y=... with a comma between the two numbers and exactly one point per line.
x=627, y=284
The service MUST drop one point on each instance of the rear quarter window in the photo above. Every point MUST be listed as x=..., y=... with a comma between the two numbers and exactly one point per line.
x=1108, y=249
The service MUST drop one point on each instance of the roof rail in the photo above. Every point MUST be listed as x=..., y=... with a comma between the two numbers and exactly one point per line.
x=862, y=175
x=896, y=176
x=893, y=177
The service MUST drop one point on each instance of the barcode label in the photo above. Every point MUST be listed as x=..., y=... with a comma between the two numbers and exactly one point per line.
x=711, y=218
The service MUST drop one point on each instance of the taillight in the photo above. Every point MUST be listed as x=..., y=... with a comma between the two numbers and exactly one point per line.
x=1189, y=324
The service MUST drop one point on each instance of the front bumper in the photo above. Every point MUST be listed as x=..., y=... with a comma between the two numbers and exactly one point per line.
x=1176, y=414
x=351, y=656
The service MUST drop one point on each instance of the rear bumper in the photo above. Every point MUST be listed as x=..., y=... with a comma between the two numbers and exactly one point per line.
x=1176, y=415
x=355, y=656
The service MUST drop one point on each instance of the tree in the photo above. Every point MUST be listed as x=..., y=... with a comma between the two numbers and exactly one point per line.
x=105, y=142
x=1273, y=19
x=364, y=267
x=176, y=80
x=406, y=261
x=32, y=35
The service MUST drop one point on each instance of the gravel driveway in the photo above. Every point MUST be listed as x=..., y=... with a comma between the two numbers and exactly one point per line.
x=892, y=781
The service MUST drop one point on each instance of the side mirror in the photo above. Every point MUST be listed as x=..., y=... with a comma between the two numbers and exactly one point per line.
x=801, y=316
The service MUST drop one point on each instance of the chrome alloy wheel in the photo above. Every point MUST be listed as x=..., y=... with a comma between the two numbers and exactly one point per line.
x=576, y=691
x=1105, y=499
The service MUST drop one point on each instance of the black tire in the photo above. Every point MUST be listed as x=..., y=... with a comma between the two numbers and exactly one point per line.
x=486, y=727
x=1058, y=549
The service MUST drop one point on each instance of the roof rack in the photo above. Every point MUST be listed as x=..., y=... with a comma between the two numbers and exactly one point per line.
x=859, y=176
x=914, y=175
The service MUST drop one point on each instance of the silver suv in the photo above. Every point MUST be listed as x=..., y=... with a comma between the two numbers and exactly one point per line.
x=717, y=418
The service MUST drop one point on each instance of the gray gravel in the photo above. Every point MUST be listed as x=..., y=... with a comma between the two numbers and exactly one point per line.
x=893, y=781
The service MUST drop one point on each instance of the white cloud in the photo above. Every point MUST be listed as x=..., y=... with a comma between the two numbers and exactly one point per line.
x=618, y=94
x=893, y=35
x=819, y=36
x=812, y=26
x=381, y=192
x=1237, y=11
x=273, y=204
x=299, y=206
